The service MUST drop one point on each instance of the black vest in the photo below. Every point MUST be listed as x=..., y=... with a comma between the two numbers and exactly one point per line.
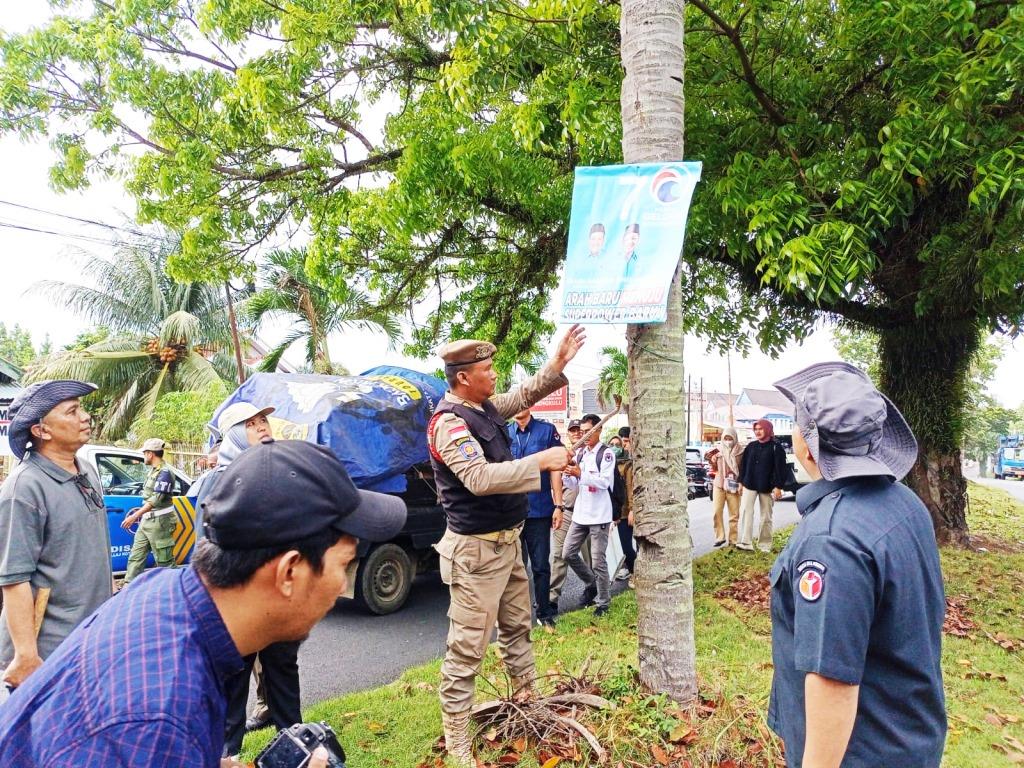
x=466, y=512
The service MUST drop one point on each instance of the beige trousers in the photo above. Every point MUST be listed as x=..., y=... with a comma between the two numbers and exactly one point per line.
x=766, y=503
x=488, y=586
x=559, y=565
x=719, y=499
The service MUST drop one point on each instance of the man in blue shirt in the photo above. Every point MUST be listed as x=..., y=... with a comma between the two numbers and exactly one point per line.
x=529, y=435
x=857, y=597
x=141, y=683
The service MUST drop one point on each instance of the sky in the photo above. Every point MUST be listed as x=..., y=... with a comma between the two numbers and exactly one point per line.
x=28, y=257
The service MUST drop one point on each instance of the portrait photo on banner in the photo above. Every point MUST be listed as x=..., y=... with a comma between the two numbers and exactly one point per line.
x=626, y=232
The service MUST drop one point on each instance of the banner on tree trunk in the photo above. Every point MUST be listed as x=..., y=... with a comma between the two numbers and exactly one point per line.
x=626, y=233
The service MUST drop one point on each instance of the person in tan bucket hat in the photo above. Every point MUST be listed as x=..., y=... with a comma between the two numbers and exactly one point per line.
x=483, y=492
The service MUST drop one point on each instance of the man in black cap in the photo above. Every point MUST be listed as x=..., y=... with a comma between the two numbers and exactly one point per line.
x=857, y=599
x=281, y=532
x=55, y=558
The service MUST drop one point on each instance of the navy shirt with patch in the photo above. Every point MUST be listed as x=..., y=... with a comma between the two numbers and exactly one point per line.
x=857, y=597
x=538, y=436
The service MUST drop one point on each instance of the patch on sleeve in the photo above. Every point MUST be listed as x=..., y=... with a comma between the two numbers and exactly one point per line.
x=455, y=431
x=812, y=584
x=469, y=450
x=805, y=564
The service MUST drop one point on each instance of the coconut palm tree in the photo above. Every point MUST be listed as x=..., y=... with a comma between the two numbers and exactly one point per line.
x=614, y=377
x=166, y=336
x=317, y=312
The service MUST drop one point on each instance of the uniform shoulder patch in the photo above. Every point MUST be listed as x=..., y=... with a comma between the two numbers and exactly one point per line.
x=805, y=564
x=812, y=584
x=468, y=449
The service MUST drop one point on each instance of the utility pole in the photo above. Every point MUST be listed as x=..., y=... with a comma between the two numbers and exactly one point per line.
x=689, y=397
x=728, y=364
x=700, y=437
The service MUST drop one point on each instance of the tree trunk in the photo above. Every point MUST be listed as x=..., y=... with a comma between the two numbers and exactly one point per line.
x=924, y=372
x=652, y=128
x=234, y=334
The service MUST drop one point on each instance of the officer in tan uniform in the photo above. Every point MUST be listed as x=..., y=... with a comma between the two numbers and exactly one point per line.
x=483, y=491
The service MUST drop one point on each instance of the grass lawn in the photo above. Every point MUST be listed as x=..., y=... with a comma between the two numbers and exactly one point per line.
x=399, y=724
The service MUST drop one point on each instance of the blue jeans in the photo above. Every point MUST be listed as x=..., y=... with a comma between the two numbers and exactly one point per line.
x=536, y=540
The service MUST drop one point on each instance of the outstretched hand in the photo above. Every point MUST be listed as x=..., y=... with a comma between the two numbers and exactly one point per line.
x=570, y=344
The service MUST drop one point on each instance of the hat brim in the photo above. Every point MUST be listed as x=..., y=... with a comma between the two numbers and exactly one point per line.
x=379, y=517
x=19, y=433
x=223, y=428
x=895, y=453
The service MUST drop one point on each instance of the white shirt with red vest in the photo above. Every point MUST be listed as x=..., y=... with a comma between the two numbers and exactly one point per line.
x=594, y=502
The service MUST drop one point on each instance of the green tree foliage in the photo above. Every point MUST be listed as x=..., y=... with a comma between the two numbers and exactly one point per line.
x=181, y=417
x=862, y=160
x=317, y=313
x=16, y=345
x=156, y=335
x=859, y=348
x=613, y=378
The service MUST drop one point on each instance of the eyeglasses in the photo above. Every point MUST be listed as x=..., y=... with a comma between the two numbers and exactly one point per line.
x=82, y=481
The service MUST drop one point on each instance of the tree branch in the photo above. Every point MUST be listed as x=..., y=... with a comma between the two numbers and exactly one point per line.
x=749, y=76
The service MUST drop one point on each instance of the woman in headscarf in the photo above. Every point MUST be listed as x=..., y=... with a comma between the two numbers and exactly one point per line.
x=276, y=667
x=726, y=487
x=762, y=475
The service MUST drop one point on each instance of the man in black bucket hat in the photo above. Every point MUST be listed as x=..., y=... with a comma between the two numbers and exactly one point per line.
x=54, y=540
x=857, y=598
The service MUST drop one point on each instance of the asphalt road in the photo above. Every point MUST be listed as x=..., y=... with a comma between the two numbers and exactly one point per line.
x=1013, y=487
x=351, y=650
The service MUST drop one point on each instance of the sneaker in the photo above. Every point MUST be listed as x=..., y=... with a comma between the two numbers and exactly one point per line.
x=589, y=594
x=745, y=547
x=623, y=574
x=601, y=610
x=631, y=584
x=765, y=549
x=719, y=543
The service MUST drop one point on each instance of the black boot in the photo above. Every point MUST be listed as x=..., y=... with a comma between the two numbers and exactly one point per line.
x=589, y=595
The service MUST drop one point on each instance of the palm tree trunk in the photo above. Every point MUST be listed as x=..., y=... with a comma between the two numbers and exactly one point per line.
x=236, y=342
x=652, y=131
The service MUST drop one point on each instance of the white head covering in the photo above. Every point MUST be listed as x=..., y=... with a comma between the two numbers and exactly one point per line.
x=730, y=455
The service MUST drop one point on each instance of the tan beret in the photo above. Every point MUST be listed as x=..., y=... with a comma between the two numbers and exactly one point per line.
x=466, y=352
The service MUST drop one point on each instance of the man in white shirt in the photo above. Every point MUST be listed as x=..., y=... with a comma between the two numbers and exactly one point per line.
x=592, y=475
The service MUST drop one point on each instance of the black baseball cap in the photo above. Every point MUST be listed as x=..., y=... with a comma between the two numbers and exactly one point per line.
x=575, y=424
x=286, y=490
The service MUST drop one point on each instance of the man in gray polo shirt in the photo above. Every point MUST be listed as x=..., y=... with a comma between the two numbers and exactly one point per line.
x=54, y=541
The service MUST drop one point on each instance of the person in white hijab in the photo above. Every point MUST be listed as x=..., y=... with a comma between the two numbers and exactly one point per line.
x=726, y=487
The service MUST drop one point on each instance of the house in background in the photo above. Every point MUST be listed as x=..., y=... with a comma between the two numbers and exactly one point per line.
x=10, y=386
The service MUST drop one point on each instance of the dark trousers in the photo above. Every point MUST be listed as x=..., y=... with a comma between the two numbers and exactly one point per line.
x=626, y=540
x=281, y=672
x=536, y=540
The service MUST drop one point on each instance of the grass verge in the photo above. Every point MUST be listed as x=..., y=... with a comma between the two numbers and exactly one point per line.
x=398, y=725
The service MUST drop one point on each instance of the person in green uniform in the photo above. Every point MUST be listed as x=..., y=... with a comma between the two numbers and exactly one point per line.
x=156, y=515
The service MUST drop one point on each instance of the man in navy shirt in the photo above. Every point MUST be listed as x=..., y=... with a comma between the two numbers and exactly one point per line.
x=529, y=435
x=141, y=683
x=857, y=598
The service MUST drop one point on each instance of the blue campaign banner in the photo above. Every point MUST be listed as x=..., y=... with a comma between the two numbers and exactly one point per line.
x=375, y=423
x=626, y=233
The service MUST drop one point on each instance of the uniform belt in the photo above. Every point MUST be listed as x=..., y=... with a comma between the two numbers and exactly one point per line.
x=506, y=536
x=157, y=513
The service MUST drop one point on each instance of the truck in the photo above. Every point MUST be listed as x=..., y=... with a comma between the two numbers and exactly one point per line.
x=375, y=424
x=1008, y=461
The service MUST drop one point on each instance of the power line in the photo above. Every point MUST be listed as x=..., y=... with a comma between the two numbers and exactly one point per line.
x=91, y=222
x=71, y=235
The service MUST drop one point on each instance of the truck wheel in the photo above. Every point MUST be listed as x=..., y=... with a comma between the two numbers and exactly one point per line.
x=384, y=579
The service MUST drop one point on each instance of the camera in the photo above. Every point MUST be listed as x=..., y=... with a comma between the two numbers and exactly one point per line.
x=292, y=747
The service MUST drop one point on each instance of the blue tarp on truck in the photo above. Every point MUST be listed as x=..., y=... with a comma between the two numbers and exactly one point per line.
x=375, y=423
